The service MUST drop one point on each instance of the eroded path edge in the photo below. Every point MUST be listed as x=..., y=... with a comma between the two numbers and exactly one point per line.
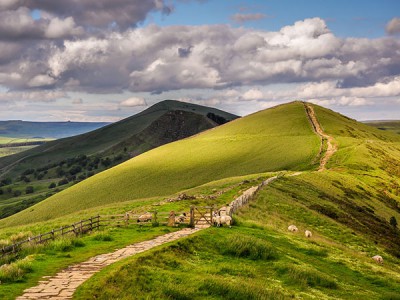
x=331, y=145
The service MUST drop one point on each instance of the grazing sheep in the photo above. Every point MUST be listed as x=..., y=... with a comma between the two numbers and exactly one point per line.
x=293, y=228
x=221, y=220
x=145, y=217
x=181, y=218
x=308, y=233
x=226, y=220
x=378, y=259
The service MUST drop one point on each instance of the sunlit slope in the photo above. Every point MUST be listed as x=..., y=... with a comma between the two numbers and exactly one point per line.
x=280, y=138
x=361, y=148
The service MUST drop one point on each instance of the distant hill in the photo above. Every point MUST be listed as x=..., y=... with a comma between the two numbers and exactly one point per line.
x=352, y=208
x=58, y=164
x=280, y=138
x=53, y=130
x=389, y=125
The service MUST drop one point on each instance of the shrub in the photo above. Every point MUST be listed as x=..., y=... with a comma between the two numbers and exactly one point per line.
x=29, y=190
x=15, y=271
x=63, y=182
x=393, y=222
x=52, y=185
x=17, y=193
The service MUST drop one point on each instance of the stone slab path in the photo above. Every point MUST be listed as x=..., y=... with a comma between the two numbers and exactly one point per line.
x=64, y=284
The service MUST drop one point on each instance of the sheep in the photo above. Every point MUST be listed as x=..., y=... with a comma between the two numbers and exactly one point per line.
x=145, y=217
x=226, y=220
x=378, y=259
x=221, y=220
x=181, y=218
x=308, y=233
x=293, y=228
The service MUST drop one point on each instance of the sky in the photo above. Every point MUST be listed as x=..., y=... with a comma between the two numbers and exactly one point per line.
x=103, y=60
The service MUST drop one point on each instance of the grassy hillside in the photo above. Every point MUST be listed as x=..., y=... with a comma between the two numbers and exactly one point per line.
x=391, y=126
x=348, y=208
x=280, y=138
x=31, y=176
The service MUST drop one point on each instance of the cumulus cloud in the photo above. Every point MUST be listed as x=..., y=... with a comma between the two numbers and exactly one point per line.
x=101, y=13
x=253, y=94
x=393, y=26
x=158, y=59
x=133, y=101
x=241, y=18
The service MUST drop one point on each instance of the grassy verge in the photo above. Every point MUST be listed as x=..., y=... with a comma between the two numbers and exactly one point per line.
x=49, y=259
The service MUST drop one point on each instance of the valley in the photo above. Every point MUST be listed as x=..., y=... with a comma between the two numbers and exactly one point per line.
x=347, y=197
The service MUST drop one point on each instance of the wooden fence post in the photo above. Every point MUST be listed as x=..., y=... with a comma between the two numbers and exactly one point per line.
x=191, y=224
x=171, y=219
x=126, y=219
x=74, y=229
x=52, y=234
x=155, y=218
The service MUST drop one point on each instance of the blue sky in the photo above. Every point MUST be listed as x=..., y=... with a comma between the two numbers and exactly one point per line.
x=84, y=61
x=346, y=18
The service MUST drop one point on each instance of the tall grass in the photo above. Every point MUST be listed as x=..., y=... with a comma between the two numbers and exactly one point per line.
x=245, y=246
x=15, y=271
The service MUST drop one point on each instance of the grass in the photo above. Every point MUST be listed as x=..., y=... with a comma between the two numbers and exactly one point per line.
x=17, y=275
x=347, y=208
x=392, y=126
x=275, y=139
x=9, y=147
x=207, y=266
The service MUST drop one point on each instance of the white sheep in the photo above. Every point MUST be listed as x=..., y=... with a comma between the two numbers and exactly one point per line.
x=145, y=217
x=378, y=259
x=308, y=233
x=293, y=228
x=221, y=220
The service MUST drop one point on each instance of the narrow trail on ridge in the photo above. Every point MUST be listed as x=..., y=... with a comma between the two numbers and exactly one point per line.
x=331, y=146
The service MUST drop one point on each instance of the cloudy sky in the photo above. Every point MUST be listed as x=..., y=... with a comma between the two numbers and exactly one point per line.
x=103, y=60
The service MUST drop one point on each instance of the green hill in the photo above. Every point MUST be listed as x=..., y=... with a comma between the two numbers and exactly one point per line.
x=280, y=138
x=389, y=125
x=349, y=207
x=58, y=164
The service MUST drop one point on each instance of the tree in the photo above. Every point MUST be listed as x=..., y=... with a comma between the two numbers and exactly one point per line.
x=393, y=222
x=52, y=185
x=29, y=190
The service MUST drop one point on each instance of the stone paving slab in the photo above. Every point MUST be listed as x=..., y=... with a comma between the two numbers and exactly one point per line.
x=63, y=284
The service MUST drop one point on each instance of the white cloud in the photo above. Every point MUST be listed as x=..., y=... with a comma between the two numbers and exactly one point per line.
x=393, y=26
x=241, y=18
x=253, y=94
x=41, y=80
x=59, y=28
x=133, y=101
